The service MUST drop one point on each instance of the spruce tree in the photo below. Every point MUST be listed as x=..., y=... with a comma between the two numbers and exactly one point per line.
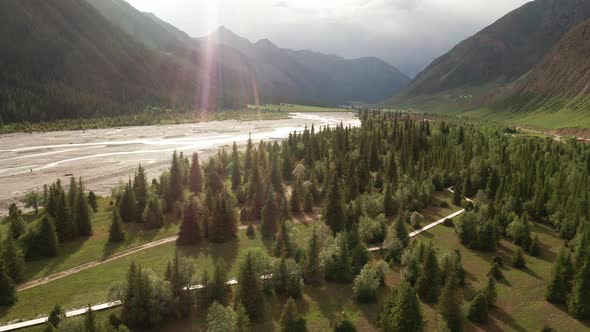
x=558, y=287
x=140, y=189
x=116, y=232
x=275, y=175
x=311, y=265
x=457, y=195
x=236, y=172
x=478, y=309
x=196, y=175
x=428, y=283
x=334, y=210
x=92, y=200
x=490, y=291
x=64, y=225
x=14, y=263
x=249, y=287
x=189, y=232
x=579, y=301
x=7, y=289
x=154, y=214
x=243, y=323
x=307, y=200
x=401, y=311
x=44, y=241
x=223, y=221
x=388, y=202
x=495, y=271
x=296, y=197
x=518, y=259
x=270, y=215
x=56, y=315
x=175, y=190
x=83, y=222
x=128, y=205
x=449, y=306
x=89, y=320
x=290, y=320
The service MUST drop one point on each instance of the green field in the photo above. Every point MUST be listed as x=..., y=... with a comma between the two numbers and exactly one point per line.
x=293, y=108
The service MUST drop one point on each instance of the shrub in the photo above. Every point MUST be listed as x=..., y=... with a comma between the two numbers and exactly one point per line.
x=250, y=231
x=495, y=272
x=518, y=260
x=447, y=222
x=478, y=309
x=367, y=283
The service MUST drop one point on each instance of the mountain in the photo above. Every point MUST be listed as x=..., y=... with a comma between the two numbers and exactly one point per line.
x=288, y=75
x=560, y=81
x=500, y=53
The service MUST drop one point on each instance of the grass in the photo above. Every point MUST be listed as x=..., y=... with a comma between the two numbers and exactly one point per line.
x=521, y=302
x=95, y=247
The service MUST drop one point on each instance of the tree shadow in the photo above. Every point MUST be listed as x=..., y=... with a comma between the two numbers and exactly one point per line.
x=501, y=315
x=65, y=251
x=532, y=273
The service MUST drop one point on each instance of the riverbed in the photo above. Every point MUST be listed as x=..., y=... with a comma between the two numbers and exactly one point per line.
x=105, y=157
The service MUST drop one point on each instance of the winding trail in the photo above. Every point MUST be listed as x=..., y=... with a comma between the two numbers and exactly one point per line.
x=109, y=305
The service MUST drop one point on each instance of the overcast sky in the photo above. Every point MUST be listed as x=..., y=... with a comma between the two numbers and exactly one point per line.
x=406, y=33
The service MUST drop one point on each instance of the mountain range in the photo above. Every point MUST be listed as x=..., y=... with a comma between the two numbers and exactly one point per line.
x=89, y=58
x=535, y=57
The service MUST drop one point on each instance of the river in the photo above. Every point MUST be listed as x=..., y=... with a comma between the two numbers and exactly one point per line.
x=104, y=157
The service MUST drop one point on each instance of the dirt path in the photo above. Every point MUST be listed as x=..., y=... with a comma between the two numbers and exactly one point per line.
x=91, y=264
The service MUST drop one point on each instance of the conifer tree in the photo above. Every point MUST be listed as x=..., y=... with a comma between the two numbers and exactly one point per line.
x=72, y=198
x=154, y=214
x=401, y=231
x=116, y=232
x=44, y=242
x=388, y=202
x=579, y=301
x=17, y=226
x=243, y=323
x=401, y=311
x=14, y=263
x=92, y=200
x=175, y=192
x=64, y=225
x=7, y=288
x=56, y=315
x=275, y=174
x=89, y=320
x=140, y=190
x=189, y=232
x=236, y=172
x=249, y=287
x=83, y=223
x=457, y=195
x=478, y=309
x=307, y=200
x=449, y=306
x=495, y=271
x=196, y=175
x=290, y=320
x=128, y=205
x=490, y=291
x=334, y=211
x=518, y=260
x=223, y=223
x=270, y=215
x=312, y=269
x=296, y=197
x=558, y=287
x=428, y=283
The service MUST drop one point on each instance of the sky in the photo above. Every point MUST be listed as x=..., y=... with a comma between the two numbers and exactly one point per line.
x=409, y=34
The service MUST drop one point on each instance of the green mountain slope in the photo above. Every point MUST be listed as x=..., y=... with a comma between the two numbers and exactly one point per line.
x=500, y=53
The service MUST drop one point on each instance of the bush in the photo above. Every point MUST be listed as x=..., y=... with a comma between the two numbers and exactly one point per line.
x=367, y=283
x=344, y=325
x=373, y=230
x=447, y=222
x=495, y=272
x=444, y=205
x=498, y=259
x=518, y=260
x=416, y=219
x=250, y=231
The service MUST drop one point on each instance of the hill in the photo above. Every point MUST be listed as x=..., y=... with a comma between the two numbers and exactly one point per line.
x=500, y=53
x=289, y=75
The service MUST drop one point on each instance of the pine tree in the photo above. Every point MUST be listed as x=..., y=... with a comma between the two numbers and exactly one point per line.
x=401, y=311
x=83, y=215
x=558, y=287
x=495, y=271
x=296, y=197
x=308, y=200
x=7, y=288
x=290, y=320
x=457, y=195
x=44, y=242
x=56, y=315
x=72, y=198
x=189, y=232
x=334, y=211
x=270, y=215
x=196, y=176
x=449, y=306
x=14, y=263
x=89, y=320
x=249, y=287
x=478, y=309
x=64, y=225
x=154, y=215
x=275, y=175
x=243, y=323
x=140, y=189
x=518, y=259
x=401, y=231
x=490, y=291
x=116, y=232
x=579, y=301
x=236, y=172
x=311, y=265
x=388, y=202
x=427, y=285
x=128, y=205
x=223, y=220
x=92, y=200
x=175, y=192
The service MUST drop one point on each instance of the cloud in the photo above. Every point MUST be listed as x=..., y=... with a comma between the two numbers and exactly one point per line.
x=281, y=4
